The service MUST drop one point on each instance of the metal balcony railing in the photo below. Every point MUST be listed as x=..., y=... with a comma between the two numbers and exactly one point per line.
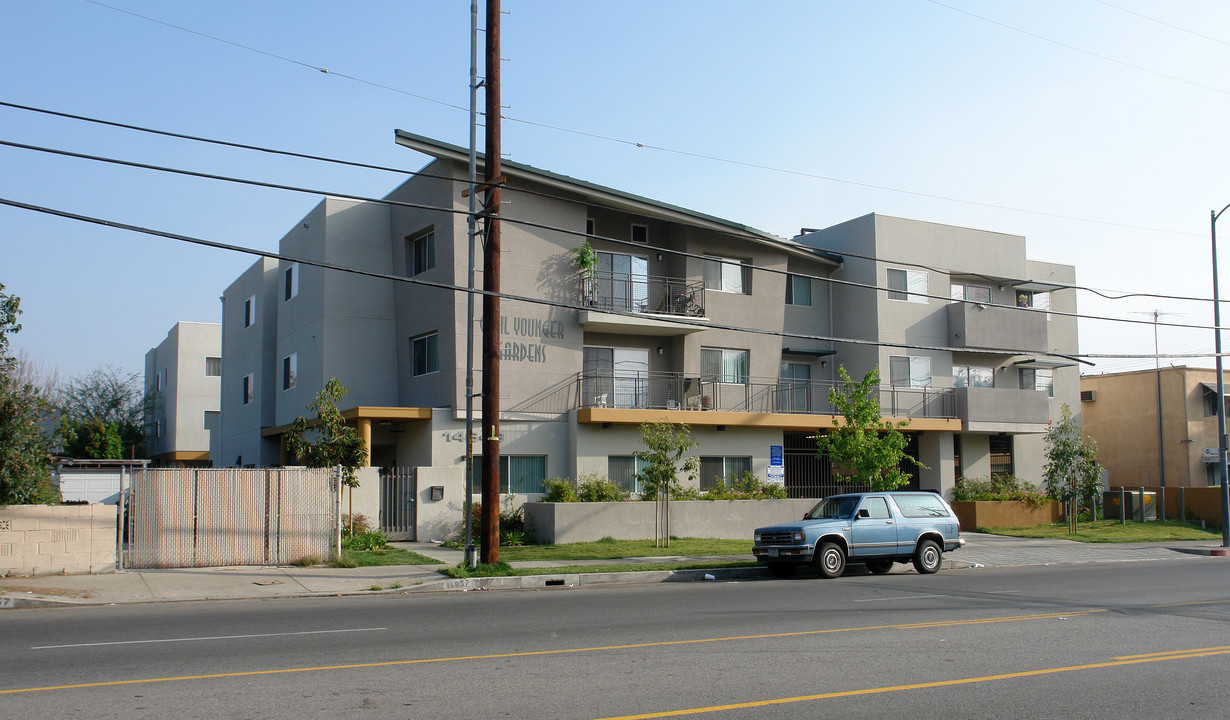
x=630, y=292
x=679, y=391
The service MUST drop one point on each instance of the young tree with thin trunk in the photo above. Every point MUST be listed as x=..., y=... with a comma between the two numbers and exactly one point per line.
x=868, y=448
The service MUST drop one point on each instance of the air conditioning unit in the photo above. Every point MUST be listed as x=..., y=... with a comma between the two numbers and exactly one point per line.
x=1088, y=395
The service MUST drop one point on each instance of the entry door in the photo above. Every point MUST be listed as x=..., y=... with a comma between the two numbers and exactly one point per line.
x=631, y=377
x=623, y=281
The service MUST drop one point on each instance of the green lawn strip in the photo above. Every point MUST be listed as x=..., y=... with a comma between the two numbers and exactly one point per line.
x=1110, y=531
x=388, y=556
x=615, y=549
x=504, y=570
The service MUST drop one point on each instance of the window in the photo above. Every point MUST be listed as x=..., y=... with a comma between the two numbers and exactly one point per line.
x=728, y=366
x=213, y=367
x=291, y=286
x=972, y=376
x=158, y=382
x=973, y=293
x=795, y=393
x=211, y=420
x=421, y=253
x=921, y=506
x=798, y=290
x=640, y=233
x=623, y=470
x=590, y=227
x=623, y=281
x=1001, y=455
x=1042, y=380
x=876, y=507
x=909, y=371
x=1210, y=400
x=519, y=474
x=721, y=468
x=247, y=388
x=290, y=369
x=159, y=428
x=424, y=355
x=249, y=311
x=908, y=285
x=1042, y=301
x=727, y=275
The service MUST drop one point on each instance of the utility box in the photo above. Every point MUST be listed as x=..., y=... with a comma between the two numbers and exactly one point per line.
x=1131, y=504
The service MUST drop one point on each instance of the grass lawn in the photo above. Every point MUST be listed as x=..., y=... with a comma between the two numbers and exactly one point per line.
x=387, y=556
x=614, y=549
x=504, y=570
x=1110, y=531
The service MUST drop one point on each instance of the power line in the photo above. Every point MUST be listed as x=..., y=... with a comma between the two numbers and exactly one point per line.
x=542, y=301
x=1163, y=22
x=553, y=228
x=660, y=148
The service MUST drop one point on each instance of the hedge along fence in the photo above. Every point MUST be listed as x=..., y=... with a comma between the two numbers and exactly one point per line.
x=975, y=514
x=558, y=523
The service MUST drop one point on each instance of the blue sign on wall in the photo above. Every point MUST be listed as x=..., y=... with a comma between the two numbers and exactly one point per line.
x=775, y=454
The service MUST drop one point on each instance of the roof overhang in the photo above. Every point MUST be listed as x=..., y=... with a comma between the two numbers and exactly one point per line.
x=1039, y=286
x=814, y=352
x=364, y=412
x=1046, y=363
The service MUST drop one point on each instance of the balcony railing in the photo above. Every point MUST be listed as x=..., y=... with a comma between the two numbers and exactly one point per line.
x=630, y=292
x=678, y=391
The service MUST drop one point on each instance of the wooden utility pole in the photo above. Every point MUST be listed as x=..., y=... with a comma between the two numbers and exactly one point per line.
x=490, y=552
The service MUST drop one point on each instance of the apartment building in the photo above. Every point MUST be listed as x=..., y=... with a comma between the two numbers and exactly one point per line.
x=686, y=317
x=183, y=377
x=1120, y=411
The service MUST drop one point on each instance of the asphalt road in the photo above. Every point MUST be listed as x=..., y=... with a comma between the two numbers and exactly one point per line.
x=1123, y=640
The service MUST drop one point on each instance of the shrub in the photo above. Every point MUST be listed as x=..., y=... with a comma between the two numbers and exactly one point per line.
x=999, y=487
x=513, y=530
x=559, y=490
x=370, y=540
x=597, y=488
x=745, y=487
x=355, y=525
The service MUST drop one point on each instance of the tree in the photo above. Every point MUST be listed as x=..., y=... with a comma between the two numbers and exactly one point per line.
x=335, y=443
x=108, y=396
x=93, y=439
x=868, y=447
x=1071, y=471
x=665, y=457
x=25, y=476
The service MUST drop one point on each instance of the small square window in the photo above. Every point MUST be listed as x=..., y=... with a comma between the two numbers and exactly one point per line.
x=798, y=290
x=421, y=253
x=640, y=233
x=213, y=367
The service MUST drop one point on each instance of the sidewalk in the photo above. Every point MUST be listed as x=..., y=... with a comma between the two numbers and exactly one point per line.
x=231, y=583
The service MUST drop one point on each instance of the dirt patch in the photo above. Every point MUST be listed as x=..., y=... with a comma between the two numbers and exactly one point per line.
x=46, y=592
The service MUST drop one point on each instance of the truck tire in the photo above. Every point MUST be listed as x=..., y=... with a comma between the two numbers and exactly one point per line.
x=830, y=560
x=927, y=557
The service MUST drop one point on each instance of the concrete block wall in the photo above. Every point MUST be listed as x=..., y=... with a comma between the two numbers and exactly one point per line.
x=57, y=539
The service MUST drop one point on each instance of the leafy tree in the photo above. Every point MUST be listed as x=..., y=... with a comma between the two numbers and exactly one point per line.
x=25, y=476
x=335, y=443
x=1071, y=471
x=93, y=439
x=665, y=457
x=109, y=396
x=870, y=448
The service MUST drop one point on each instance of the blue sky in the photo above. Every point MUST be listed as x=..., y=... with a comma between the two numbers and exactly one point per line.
x=1097, y=133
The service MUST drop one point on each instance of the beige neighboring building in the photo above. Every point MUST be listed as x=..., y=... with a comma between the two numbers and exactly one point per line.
x=1119, y=410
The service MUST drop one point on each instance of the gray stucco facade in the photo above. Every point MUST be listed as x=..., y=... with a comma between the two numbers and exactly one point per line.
x=183, y=381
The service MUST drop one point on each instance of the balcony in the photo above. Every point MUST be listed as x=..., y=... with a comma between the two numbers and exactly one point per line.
x=676, y=391
x=612, y=295
x=995, y=327
x=984, y=409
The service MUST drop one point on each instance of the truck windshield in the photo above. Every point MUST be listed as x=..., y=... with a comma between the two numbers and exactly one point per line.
x=833, y=508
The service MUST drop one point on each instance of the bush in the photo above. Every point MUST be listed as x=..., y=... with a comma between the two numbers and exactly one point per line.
x=999, y=487
x=370, y=540
x=745, y=487
x=597, y=488
x=513, y=530
x=359, y=526
x=558, y=490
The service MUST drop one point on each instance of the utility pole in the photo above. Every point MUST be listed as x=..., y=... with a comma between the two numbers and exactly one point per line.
x=471, y=556
x=1157, y=380
x=491, y=303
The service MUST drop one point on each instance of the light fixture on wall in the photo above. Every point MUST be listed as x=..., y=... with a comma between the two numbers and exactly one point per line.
x=824, y=363
x=659, y=257
x=661, y=351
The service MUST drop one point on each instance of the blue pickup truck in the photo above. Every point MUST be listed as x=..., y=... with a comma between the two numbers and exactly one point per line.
x=875, y=529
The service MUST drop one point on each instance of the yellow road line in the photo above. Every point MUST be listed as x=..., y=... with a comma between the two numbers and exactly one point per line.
x=1179, y=655
x=564, y=651
x=1174, y=652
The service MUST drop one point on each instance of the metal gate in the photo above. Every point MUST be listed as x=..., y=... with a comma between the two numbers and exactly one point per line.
x=809, y=475
x=204, y=517
x=398, y=498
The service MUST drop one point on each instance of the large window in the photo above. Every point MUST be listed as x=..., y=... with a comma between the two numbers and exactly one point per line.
x=424, y=354
x=519, y=474
x=909, y=371
x=1001, y=455
x=972, y=376
x=290, y=370
x=623, y=470
x=615, y=377
x=715, y=468
x=973, y=293
x=420, y=252
x=213, y=367
x=722, y=365
x=727, y=275
x=798, y=290
x=623, y=281
x=291, y=284
x=1040, y=379
x=908, y=285
x=795, y=391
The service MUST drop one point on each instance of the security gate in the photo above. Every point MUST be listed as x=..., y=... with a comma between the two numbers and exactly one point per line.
x=398, y=495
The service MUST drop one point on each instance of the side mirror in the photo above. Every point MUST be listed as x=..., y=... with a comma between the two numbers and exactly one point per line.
x=864, y=513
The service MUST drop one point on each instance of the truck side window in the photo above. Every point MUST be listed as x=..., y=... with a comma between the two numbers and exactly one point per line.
x=877, y=509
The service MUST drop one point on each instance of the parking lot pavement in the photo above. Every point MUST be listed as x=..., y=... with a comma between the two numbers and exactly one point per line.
x=982, y=550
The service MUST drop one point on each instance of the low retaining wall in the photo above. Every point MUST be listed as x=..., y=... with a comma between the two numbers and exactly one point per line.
x=1197, y=503
x=57, y=539
x=558, y=523
x=975, y=514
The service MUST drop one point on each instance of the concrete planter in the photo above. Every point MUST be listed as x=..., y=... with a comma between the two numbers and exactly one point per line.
x=558, y=523
x=975, y=514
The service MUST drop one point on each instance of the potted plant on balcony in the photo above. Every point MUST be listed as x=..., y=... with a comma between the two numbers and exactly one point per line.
x=587, y=262
x=706, y=402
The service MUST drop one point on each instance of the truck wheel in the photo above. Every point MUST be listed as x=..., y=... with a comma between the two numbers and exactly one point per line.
x=830, y=560
x=879, y=567
x=782, y=570
x=927, y=557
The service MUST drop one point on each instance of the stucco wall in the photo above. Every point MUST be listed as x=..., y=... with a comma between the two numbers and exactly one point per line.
x=57, y=539
x=556, y=523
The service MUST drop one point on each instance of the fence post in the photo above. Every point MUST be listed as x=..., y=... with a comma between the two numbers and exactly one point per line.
x=1142, y=503
x=1122, y=508
x=337, y=512
x=1161, y=502
x=1182, y=506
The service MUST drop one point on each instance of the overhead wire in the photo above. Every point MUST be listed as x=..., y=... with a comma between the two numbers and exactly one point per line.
x=570, y=231
x=664, y=149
